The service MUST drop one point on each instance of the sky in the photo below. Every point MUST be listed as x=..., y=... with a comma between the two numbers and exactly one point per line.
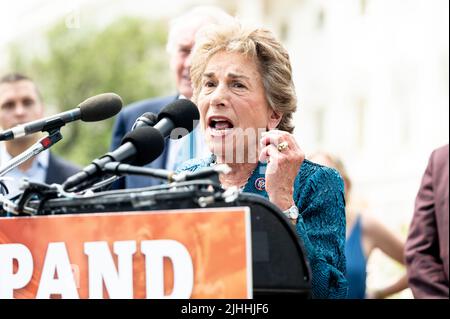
x=24, y=17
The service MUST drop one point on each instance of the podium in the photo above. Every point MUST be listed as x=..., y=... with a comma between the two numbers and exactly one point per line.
x=258, y=244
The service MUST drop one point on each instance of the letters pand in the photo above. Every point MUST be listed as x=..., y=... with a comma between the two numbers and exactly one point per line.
x=59, y=278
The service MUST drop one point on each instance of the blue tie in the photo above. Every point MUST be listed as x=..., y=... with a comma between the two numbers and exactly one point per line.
x=186, y=151
x=192, y=145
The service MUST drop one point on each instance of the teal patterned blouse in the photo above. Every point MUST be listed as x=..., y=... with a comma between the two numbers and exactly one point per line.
x=319, y=195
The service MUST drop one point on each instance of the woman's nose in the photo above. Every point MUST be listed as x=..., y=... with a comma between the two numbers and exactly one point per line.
x=220, y=96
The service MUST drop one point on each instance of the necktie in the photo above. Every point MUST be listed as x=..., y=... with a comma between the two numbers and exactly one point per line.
x=186, y=150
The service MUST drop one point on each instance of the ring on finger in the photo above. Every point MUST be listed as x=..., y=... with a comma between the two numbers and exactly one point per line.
x=282, y=146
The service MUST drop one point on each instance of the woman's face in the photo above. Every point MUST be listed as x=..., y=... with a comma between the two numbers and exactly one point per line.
x=233, y=106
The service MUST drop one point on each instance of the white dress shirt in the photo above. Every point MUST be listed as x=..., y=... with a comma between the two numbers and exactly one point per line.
x=36, y=173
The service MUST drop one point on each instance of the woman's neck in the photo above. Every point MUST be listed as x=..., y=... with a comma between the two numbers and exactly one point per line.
x=239, y=175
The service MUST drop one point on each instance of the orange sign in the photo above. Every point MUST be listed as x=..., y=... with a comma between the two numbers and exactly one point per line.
x=197, y=253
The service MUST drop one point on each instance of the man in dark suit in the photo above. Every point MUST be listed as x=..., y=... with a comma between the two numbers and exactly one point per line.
x=179, y=45
x=21, y=102
x=426, y=249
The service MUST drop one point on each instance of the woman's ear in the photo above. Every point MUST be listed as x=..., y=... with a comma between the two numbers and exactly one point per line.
x=274, y=119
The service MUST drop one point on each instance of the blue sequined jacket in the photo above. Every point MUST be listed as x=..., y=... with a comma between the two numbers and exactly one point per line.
x=319, y=195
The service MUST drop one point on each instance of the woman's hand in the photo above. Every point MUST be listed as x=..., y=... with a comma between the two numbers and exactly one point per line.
x=284, y=158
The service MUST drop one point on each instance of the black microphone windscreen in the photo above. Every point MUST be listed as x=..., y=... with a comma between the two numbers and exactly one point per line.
x=183, y=113
x=149, y=144
x=146, y=119
x=100, y=107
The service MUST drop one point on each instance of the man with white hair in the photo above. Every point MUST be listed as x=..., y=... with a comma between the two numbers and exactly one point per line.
x=180, y=42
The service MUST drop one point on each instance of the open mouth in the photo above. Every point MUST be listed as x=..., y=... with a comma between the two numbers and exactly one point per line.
x=220, y=126
x=220, y=123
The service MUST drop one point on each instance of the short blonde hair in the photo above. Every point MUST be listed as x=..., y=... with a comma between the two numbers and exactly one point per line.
x=259, y=44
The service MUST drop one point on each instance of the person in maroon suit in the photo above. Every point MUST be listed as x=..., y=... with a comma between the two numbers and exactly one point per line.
x=426, y=249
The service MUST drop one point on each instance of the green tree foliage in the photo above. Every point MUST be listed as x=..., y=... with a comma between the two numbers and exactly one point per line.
x=126, y=57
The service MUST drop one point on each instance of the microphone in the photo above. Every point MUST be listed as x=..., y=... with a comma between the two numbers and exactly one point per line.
x=139, y=147
x=181, y=114
x=177, y=119
x=146, y=119
x=93, y=109
x=145, y=143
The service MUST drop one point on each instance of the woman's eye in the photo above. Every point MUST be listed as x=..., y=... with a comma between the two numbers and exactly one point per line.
x=239, y=85
x=209, y=84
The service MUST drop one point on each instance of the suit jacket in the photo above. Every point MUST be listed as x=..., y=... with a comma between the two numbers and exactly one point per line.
x=123, y=125
x=426, y=249
x=59, y=170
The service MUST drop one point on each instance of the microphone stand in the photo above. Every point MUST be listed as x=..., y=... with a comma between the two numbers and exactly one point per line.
x=118, y=168
x=54, y=135
x=211, y=173
x=43, y=144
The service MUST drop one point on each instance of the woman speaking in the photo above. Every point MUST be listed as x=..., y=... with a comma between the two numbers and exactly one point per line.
x=242, y=81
